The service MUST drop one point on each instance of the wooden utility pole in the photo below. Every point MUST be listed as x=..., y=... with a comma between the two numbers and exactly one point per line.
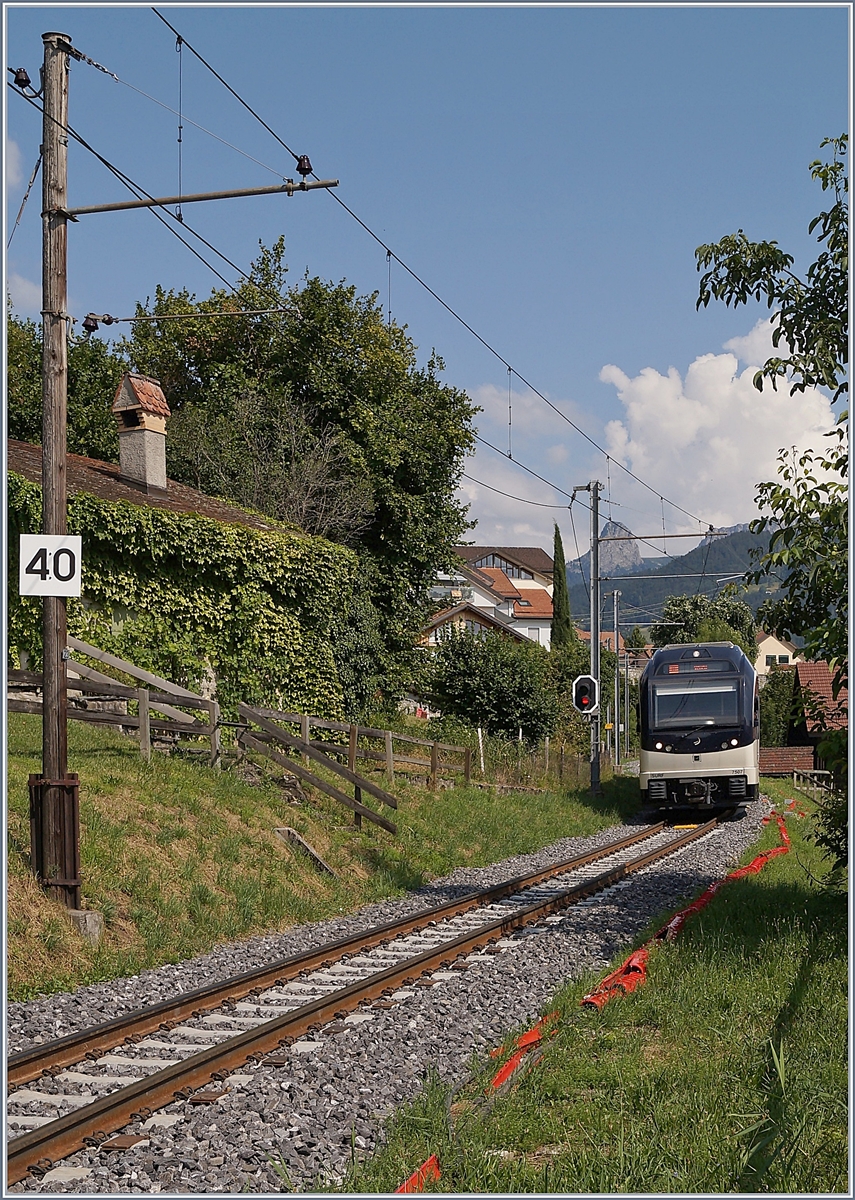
x=54, y=811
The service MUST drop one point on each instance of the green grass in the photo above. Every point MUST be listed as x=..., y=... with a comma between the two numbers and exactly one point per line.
x=725, y=1073
x=180, y=858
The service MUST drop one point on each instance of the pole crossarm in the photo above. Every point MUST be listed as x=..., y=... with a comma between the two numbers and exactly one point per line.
x=643, y=537
x=288, y=188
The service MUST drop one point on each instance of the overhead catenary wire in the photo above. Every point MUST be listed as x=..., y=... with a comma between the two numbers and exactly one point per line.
x=578, y=554
x=423, y=283
x=26, y=198
x=508, y=496
x=180, y=42
x=141, y=193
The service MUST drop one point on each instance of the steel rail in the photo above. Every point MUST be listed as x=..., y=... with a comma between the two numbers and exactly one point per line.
x=37, y=1150
x=28, y=1065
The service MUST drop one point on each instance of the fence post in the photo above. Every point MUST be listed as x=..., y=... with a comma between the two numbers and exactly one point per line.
x=467, y=764
x=145, y=726
x=390, y=757
x=546, y=757
x=351, y=763
x=481, y=749
x=561, y=764
x=214, y=722
x=304, y=734
x=434, y=766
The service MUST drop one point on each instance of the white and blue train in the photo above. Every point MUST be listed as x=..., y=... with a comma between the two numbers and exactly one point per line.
x=700, y=727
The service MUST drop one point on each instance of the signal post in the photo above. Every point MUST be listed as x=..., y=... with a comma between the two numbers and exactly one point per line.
x=593, y=488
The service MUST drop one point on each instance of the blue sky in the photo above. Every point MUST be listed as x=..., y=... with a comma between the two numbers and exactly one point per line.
x=548, y=171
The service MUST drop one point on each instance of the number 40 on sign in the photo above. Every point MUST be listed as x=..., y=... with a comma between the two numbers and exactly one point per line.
x=50, y=565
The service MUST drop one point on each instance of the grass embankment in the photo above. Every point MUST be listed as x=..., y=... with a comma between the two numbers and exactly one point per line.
x=180, y=858
x=725, y=1073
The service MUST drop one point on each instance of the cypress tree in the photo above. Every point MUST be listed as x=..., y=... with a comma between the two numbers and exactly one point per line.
x=563, y=631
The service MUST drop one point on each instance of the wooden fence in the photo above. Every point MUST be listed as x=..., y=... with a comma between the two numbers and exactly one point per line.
x=86, y=685
x=437, y=765
x=265, y=743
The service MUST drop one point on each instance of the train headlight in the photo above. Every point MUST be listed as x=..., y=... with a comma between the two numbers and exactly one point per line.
x=668, y=749
x=725, y=745
x=734, y=741
x=658, y=745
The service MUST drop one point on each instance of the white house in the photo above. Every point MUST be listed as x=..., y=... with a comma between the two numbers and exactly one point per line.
x=772, y=651
x=497, y=587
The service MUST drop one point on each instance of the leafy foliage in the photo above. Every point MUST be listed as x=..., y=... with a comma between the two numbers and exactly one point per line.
x=495, y=682
x=332, y=387
x=635, y=639
x=563, y=630
x=94, y=372
x=811, y=313
x=183, y=595
x=776, y=706
x=806, y=509
x=703, y=619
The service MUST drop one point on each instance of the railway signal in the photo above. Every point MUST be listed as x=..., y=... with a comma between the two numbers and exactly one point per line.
x=586, y=696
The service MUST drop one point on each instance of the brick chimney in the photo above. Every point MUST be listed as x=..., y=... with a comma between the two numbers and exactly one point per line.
x=141, y=410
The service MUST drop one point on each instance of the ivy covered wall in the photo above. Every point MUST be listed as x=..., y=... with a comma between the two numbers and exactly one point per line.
x=182, y=595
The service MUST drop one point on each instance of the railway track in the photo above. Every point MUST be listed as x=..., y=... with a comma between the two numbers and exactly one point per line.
x=100, y=1079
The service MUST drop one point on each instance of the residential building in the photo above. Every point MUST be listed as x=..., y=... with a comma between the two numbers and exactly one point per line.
x=508, y=588
x=773, y=651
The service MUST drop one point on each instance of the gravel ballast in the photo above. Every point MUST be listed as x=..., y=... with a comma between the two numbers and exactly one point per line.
x=330, y=1101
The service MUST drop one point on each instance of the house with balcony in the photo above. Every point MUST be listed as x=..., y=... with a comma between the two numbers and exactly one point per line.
x=504, y=588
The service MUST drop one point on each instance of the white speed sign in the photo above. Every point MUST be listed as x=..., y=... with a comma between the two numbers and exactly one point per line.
x=50, y=564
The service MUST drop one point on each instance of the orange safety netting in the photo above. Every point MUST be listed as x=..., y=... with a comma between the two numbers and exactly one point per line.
x=522, y=1044
x=633, y=972
x=428, y=1171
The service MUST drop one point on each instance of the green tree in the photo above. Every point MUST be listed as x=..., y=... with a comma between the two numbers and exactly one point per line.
x=636, y=639
x=94, y=371
x=776, y=706
x=563, y=631
x=495, y=682
x=321, y=409
x=705, y=619
x=811, y=314
x=805, y=510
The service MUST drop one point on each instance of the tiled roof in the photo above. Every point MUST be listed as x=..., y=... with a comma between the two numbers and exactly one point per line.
x=498, y=581
x=102, y=479
x=485, y=615
x=607, y=638
x=531, y=558
x=534, y=603
x=783, y=760
x=816, y=678
x=143, y=390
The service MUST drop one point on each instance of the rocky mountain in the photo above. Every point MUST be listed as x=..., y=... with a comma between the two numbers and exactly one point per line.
x=618, y=557
x=641, y=600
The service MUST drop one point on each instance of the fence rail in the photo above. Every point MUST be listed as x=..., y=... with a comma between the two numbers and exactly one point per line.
x=97, y=687
x=271, y=733
x=436, y=765
x=812, y=783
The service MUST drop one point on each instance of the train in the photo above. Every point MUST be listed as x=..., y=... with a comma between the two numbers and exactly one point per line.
x=699, y=723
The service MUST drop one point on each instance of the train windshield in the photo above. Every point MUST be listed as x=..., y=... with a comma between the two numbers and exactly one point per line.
x=695, y=702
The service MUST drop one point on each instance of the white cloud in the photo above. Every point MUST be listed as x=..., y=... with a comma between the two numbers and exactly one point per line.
x=14, y=173
x=756, y=347
x=26, y=296
x=708, y=439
